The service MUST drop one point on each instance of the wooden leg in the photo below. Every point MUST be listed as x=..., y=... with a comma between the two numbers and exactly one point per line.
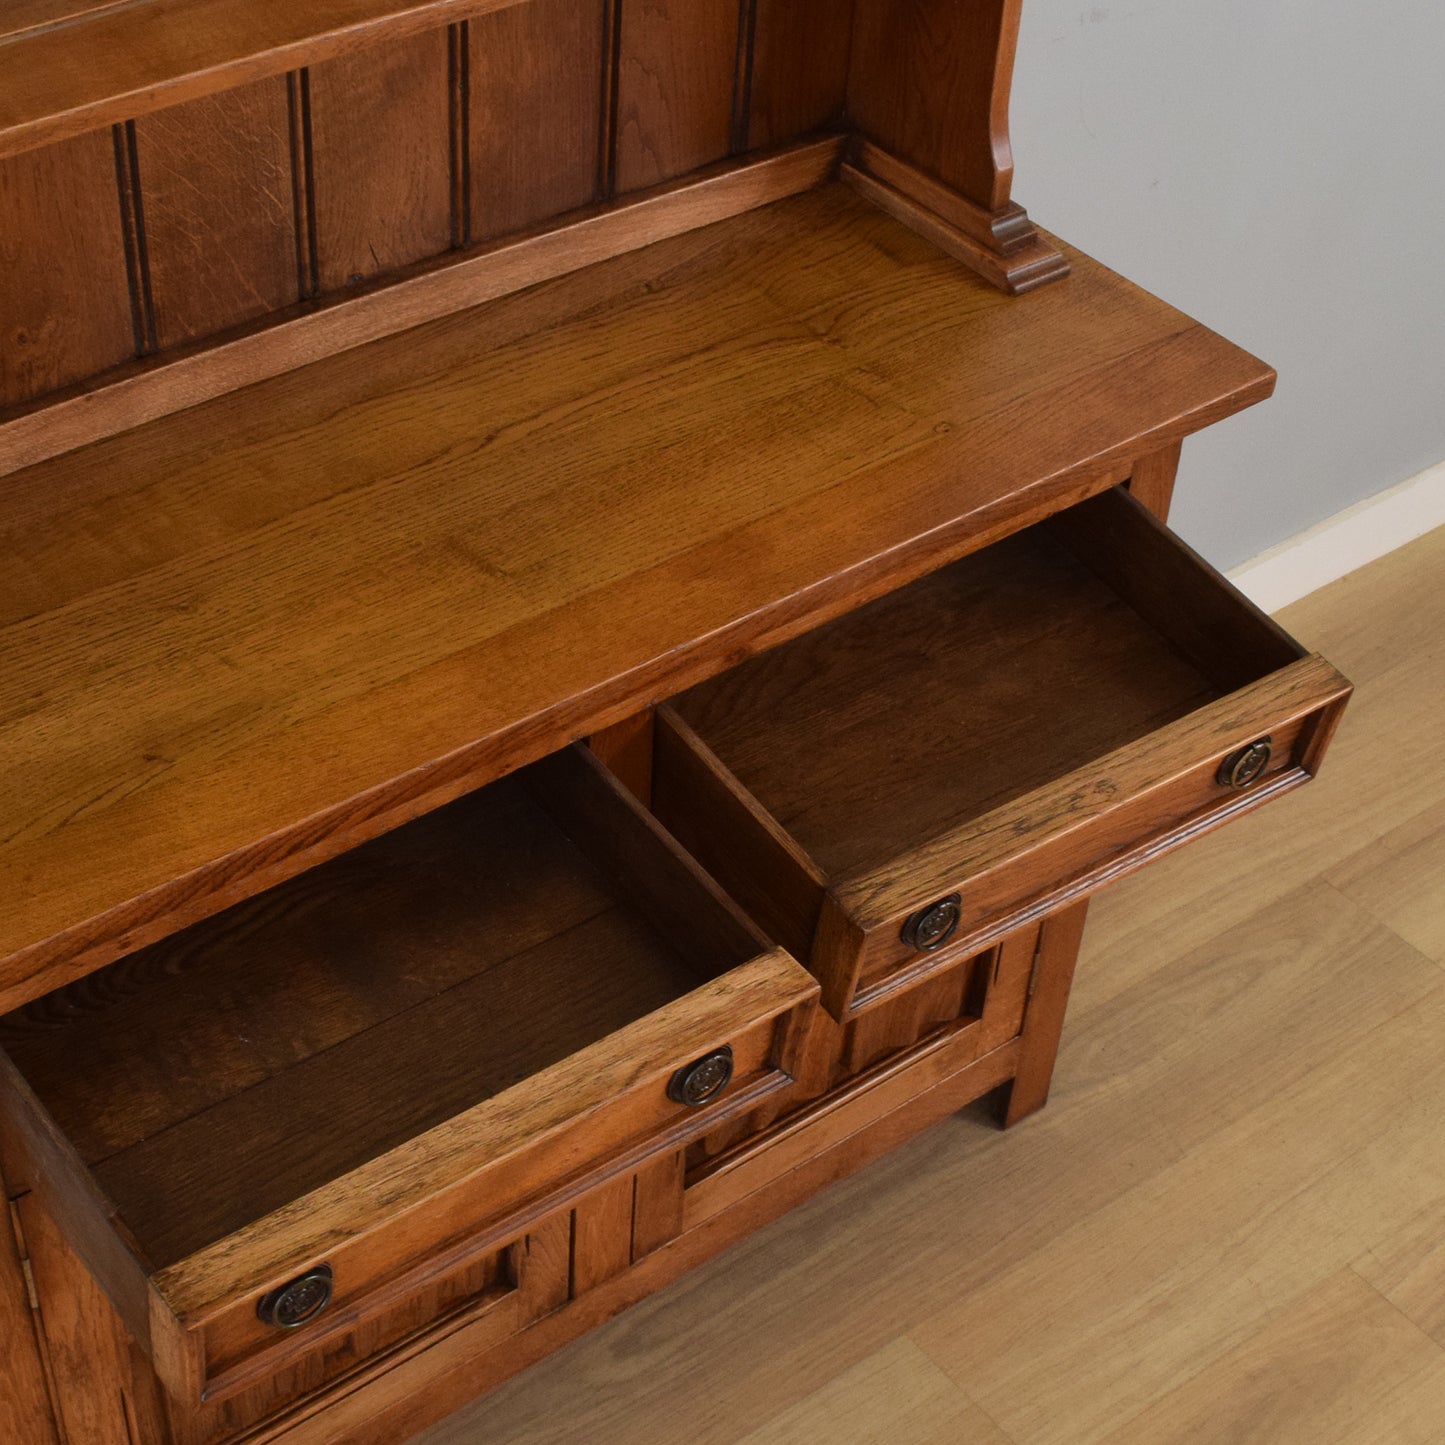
x=1152, y=481
x=1059, y=941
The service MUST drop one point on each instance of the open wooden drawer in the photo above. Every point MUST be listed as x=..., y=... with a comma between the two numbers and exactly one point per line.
x=355, y=1083
x=1007, y=734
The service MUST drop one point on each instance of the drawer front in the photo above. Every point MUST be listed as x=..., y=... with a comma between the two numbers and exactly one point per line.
x=431, y=1254
x=494, y=1292
x=1091, y=827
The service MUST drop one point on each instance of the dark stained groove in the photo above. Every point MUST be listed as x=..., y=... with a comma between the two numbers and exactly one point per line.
x=572, y=1254
x=607, y=129
x=296, y=145
x=459, y=109
x=303, y=183
x=129, y=239
x=132, y=221
x=743, y=75
x=842, y=116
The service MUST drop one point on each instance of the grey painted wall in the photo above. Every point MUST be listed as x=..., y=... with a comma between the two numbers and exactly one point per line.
x=1275, y=168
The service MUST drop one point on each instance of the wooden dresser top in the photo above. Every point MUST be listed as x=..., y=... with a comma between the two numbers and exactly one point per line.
x=242, y=638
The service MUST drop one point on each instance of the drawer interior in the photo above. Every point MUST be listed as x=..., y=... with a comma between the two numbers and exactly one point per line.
x=977, y=683
x=253, y=1058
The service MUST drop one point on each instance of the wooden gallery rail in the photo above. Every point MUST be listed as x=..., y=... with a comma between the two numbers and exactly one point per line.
x=585, y=602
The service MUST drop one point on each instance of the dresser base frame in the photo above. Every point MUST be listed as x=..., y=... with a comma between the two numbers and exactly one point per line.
x=103, y=1389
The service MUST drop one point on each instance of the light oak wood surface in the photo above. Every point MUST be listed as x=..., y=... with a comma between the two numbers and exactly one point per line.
x=712, y=443
x=1228, y=1224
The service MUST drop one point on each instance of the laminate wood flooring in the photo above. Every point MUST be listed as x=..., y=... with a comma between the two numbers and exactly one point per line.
x=1229, y=1224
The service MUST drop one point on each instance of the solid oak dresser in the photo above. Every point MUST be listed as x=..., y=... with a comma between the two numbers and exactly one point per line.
x=586, y=601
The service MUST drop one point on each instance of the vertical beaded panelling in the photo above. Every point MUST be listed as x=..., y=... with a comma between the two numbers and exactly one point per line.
x=227, y=211
x=190, y=222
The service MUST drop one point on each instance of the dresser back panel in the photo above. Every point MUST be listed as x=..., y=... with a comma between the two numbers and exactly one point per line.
x=64, y=297
x=191, y=225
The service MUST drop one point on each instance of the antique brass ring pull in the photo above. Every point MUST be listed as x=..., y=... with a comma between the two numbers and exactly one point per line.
x=299, y=1302
x=933, y=926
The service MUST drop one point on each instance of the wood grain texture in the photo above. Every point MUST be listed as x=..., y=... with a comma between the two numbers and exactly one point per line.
x=851, y=1108
x=924, y=703
x=1400, y=879
x=1160, y=792
x=109, y=1391
x=799, y=75
x=1353, y=804
x=219, y=214
x=1037, y=263
x=490, y=1298
x=733, y=836
x=156, y=386
x=335, y=1033
x=676, y=84
x=536, y=111
x=932, y=702
x=156, y=54
x=562, y=387
x=644, y=865
x=425, y=1387
x=639, y=1057
x=896, y=1394
x=602, y=1235
x=24, y=15
x=380, y=159
x=1005, y=231
x=625, y=750
x=25, y=1392
x=657, y=1204
x=65, y=310
x=87, y=1345
x=1342, y=1334
x=1152, y=482
x=904, y=1021
x=390, y=1383
x=930, y=82
x=256, y=992
x=393, y=1266
x=1009, y=980
x=1164, y=579
x=252, y=1369
x=260, y=1149
x=712, y=476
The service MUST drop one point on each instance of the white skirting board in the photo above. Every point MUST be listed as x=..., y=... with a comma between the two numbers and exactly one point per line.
x=1347, y=540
